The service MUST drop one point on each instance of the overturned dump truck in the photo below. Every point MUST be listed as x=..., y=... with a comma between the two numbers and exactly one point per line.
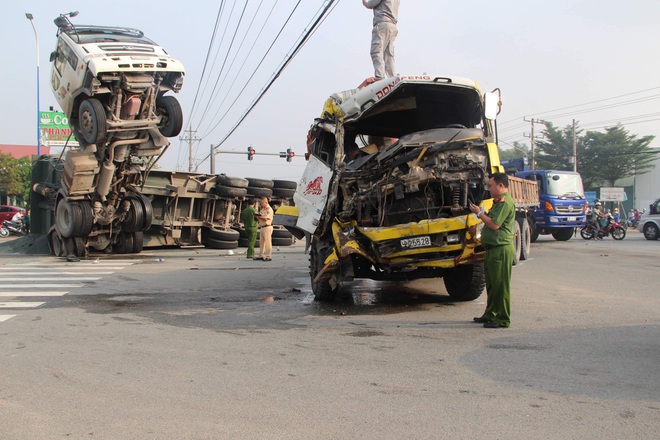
x=392, y=168
x=111, y=83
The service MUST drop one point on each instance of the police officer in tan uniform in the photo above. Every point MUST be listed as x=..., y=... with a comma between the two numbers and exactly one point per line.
x=497, y=239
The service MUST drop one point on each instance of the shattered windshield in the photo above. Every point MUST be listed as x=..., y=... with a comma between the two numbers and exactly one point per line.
x=101, y=35
x=569, y=185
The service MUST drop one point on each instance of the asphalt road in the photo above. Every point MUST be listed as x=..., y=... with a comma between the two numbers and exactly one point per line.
x=205, y=345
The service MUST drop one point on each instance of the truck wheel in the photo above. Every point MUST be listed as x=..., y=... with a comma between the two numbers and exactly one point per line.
x=220, y=234
x=78, y=244
x=138, y=242
x=517, y=242
x=322, y=290
x=134, y=220
x=171, y=116
x=254, y=191
x=220, y=244
x=283, y=241
x=283, y=193
x=465, y=283
x=533, y=233
x=236, y=182
x=87, y=218
x=260, y=183
x=124, y=243
x=526, y=238
x=148, y=209
x=92, y=120
x=68, y=218
x=651, y=231
x=563, y=234
x=285, y=184
x=229, y=191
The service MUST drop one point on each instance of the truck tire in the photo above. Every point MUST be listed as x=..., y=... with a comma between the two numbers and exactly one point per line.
x=125, y=243
x=236, y=182
x=283, y=241
x=281, y=233
x=534, y=232
x=651, y=231
x=138, y=242
x=169, y=109
x=254, y=191
x=148, y=211
x=134, y=220
x=322, y=290
x=92, y=121
x=68, y=218
x=78, y=245
x=229, y=191
x=285, y=184
x=526, y=238
x=243, y=242
x=283, y=193
x=465, y=283
x=260, y=183
x=220, y=244
x=517, y=242
x=220, y=234
x=563, y=234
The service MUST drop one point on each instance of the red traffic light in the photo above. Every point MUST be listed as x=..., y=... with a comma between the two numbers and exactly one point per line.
x=289, y=154
x=250, y=152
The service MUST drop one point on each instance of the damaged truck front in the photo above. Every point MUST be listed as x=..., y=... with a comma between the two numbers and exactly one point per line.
x=392, y=169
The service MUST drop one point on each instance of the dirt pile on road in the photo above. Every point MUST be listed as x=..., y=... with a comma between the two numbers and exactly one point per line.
x=33, y=244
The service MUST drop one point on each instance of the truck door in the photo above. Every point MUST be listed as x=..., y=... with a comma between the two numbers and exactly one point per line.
x=312, y=194
x=65, y=63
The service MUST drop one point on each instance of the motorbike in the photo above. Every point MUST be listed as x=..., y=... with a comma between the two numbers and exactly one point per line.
x=12, y=227
x=613, y=228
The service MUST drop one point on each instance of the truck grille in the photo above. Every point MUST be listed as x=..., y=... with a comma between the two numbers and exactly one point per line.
x=570, y=209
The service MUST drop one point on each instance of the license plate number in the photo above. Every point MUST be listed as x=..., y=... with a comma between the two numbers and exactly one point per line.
x=572, y=219
x=416, y=242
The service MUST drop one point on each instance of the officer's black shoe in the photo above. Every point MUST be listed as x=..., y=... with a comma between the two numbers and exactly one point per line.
x=480, y=319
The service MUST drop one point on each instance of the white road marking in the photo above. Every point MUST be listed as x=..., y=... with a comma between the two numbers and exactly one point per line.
x=5, y=317
x=20, y=305
x=40, y=286
x=37, y=273
x=35, y=293
x=31, y=279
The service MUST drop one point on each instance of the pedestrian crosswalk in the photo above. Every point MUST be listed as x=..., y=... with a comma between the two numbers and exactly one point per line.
x=47, y=279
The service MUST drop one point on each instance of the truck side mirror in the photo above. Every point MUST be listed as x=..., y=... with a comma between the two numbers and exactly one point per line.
x=492, y=105
x=53, y=56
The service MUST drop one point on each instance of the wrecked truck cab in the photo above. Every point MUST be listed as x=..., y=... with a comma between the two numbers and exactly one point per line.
x=111, y=83
x=393, y=167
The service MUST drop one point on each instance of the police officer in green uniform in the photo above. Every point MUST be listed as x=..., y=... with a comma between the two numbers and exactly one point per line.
x=497, y=239
x=250, y=224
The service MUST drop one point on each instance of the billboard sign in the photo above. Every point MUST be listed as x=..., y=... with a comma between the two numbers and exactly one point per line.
x=55, y=130
x=612, y=195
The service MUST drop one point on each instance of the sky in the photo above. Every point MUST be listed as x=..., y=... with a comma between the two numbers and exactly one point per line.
x=594, y=61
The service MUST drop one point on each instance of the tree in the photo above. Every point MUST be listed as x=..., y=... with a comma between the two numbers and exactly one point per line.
x=15, y=177
x=554, y=153
x=616, y=154
x=519, y=150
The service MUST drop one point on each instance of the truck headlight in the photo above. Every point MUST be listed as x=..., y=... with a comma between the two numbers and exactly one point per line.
x=453, y=238
x=554, y=220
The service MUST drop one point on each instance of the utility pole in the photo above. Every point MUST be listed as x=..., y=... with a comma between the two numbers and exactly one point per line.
x=533, y=138
x=190, y=139
x=574, y=148
x=212, y=159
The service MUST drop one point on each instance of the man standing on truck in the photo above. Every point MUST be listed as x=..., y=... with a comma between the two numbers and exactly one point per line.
x=383, y=34
x=497, y=239
x=249, y=219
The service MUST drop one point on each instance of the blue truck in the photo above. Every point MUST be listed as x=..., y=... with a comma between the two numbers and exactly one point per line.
x=562, y=204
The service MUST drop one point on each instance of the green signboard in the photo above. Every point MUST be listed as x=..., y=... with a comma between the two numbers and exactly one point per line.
x=55, y=130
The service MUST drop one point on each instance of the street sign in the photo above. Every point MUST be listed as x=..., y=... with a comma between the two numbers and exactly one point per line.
x=612, y=195
x=55, y=129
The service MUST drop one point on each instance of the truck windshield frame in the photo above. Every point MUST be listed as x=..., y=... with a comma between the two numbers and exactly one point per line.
x=564, y=184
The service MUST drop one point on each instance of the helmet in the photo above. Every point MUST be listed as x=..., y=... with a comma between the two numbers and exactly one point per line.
x=598, y=204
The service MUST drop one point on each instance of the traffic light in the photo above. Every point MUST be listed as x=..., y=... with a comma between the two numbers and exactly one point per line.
x=250, y=153
x=289, y=154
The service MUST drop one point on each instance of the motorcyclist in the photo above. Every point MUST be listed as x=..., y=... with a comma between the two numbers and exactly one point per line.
x=596, y=214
